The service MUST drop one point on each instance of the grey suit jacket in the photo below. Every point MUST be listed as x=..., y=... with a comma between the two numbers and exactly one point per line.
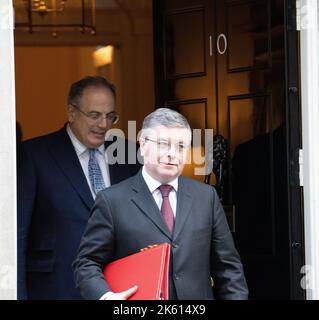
x=125, y=218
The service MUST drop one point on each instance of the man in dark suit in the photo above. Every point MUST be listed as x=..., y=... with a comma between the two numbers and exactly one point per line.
x=59, y=175
x=156, y=206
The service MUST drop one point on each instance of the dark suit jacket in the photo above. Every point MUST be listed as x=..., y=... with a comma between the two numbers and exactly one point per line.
x=54, y=202
x=125, y=218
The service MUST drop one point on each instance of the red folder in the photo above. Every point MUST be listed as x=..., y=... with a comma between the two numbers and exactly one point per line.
x=147, y=269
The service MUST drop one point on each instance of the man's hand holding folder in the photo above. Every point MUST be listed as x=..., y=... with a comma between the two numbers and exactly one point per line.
x=124, y=295
x=144, y=273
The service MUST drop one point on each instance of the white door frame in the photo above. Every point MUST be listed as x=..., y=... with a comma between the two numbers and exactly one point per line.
x=309, y=55
x=8, y=232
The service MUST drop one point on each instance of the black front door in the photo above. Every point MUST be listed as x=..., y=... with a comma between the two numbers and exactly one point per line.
x=231, y=66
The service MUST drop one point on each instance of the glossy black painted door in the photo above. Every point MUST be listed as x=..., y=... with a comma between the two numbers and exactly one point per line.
x=231, y=65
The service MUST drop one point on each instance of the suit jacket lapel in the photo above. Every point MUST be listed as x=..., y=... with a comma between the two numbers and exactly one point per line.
x=63, y=152
x=144, y=200
x=183, y=209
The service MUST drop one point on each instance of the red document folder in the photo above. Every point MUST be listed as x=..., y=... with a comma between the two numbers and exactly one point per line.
x=147, y=269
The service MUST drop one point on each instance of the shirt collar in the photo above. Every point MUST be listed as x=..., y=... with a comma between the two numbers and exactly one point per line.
x=153, y=184
x=79, y=147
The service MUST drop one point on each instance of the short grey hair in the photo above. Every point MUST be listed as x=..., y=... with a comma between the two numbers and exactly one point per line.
x=165, y=117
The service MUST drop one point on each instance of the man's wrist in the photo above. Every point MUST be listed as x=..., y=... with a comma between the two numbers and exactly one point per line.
x=106, y=295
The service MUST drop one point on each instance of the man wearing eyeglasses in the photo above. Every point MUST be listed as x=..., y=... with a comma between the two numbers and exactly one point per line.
x=59, y=176
x=162, y=206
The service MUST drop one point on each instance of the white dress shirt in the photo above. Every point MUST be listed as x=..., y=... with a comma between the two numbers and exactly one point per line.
x=83, y=154
x=153, y=185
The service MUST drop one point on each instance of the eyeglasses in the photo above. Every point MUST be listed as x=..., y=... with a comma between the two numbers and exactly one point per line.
x=97, y=117
x=165, y=146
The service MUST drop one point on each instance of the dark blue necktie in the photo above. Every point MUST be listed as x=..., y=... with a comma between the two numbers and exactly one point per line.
x=95, y=173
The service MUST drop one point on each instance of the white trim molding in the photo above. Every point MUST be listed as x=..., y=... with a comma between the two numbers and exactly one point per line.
x=8, y=234
x=309, y=51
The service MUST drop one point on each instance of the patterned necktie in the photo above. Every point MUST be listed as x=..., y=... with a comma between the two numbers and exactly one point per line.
x=166, y=209
x=95, y=173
